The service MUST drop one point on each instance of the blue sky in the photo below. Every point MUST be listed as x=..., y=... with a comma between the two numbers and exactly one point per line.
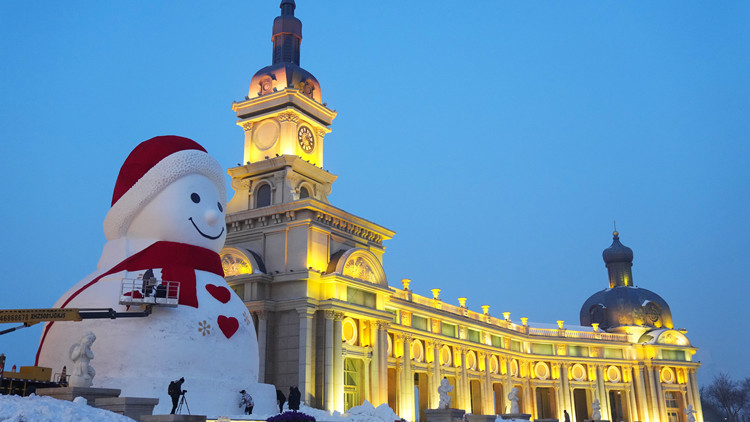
x=499, y=139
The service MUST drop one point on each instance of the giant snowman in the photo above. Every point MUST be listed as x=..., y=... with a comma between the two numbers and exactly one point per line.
x=167, y=215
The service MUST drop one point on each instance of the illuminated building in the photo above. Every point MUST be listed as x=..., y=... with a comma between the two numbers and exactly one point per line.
x=329, y=322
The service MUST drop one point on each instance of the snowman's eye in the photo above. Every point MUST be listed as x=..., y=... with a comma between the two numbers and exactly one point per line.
x=221, y=209
x=195, y=197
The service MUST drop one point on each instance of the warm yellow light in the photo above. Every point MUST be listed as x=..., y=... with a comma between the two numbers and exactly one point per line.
x=435, y=294
x=560, y=324
x=525, y=321
x=595, y=326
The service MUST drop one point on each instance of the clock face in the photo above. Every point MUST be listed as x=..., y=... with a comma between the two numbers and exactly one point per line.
x=306, y=139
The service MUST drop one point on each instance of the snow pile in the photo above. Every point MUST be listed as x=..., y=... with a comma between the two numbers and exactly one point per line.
x=46, y=409
x=365, y=412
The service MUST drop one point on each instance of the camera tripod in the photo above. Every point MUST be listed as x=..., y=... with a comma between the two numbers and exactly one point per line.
x=183, y=400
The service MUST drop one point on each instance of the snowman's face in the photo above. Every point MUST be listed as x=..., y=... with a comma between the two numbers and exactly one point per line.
x=187, y=211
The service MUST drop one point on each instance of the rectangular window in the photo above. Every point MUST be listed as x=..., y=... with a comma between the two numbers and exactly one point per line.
x=497, y=341
x=673, y=354
x=449, y=330
x=420, y=323
x=395, y=314
x=473, y=335
x=360, y=297
x=515, y=345
x=542, y=349
x=610, y=353
x=578, y=351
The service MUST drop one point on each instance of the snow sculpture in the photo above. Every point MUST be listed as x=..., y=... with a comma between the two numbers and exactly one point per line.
x=596, y=412
x=443, y=389
x=513, y=398
x=167, y=216
x=81, y=355
x=690, y=412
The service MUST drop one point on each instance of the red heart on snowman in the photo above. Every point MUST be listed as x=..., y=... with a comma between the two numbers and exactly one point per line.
x=219, y=293
x=228, y=325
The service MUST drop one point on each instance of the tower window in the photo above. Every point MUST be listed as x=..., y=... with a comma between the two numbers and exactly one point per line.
x=303, y=193
x=263, y=196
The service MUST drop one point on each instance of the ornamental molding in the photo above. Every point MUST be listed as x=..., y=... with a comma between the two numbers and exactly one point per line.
x=289, y=117
x=248, y=126
x=241, y=184
x=347, y=226
x=330, y=314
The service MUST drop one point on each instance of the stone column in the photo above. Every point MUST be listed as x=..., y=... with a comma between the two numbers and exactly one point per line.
x=436, y=377
x=487, y=403
x=695, y=393
x=640, y=388
x=601, y=391
x=653, y=406
x=368, y=368
x=338, y=363
x=407, y=382
x=382, y=380
x=508, y=385
x=328, y=367
x=632, y=406
x=262, y=344
x=659, y=398
x=305, y=353
x=567, y=400
x=464, y=392
x=374, y=372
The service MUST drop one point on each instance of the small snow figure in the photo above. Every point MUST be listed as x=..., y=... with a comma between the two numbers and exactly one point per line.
x=513, y=398
x=596, y=412
x=175, y=391
x=444, y=388
x=690, y=412
x=247, y=401
x=81, y=355
x=280, y=400
x=294, y=398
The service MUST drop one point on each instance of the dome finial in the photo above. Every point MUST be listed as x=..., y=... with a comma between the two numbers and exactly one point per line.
x=614, y=233
x=287, y=34
x=287, y=7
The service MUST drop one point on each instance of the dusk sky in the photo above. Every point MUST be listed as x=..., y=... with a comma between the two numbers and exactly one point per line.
x=499, y=139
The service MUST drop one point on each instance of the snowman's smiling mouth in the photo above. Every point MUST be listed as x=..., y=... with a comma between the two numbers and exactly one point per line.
x=204, y=234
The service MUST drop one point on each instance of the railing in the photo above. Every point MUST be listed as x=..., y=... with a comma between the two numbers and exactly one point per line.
x=407, y=295
x=140, y=292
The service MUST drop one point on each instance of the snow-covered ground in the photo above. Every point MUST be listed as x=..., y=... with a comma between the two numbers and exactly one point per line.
x=46, y=409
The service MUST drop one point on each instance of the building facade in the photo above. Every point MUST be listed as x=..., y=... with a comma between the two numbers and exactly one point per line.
x=329, y=322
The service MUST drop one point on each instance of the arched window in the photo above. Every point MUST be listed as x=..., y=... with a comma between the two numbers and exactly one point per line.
x=303, y=193
x=263, y=196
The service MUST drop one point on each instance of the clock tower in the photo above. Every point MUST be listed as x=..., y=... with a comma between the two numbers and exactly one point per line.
x=285, y=123
x=298, y=262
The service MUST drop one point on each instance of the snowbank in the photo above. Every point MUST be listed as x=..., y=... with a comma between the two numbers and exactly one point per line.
x=46, y=409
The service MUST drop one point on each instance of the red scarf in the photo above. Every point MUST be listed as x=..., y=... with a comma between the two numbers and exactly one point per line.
x=178, y=262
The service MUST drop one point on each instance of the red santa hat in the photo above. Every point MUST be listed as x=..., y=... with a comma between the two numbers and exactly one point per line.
x=152, y=166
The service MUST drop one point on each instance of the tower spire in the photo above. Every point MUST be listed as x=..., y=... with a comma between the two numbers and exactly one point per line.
x=287, y=34
x=619, y=259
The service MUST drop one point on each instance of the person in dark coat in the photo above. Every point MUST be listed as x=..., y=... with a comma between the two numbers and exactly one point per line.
x=294, y=398
x=566, y=416
x=280, y=399
x=175, y=391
